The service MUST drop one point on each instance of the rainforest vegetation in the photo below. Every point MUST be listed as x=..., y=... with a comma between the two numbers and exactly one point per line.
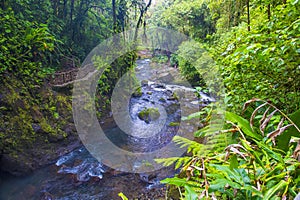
x=255, y=45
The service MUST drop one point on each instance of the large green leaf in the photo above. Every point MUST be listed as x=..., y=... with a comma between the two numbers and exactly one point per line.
x=243, y=124
x=174, y=181
x=230, y=174
x=190, y=194
x=273, y=190
x=270, y=152
x=220, y=184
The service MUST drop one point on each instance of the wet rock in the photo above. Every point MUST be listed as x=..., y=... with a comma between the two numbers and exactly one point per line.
x=168, y=92
x=82, y=170
x=60, y=135
x=172, y=108
x=173, y=97
x=69, y=129
x=144, y=99
x=62, y=160
x=46, y=196
x=179, y=93
x=148, y=178
x=144, y=82
x=28, y=121
x=156, y=176
x=15, y=166
x=158, y=85
x=37, y=128
x=165, y=77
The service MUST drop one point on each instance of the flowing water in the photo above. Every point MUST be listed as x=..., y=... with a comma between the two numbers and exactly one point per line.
x=78, y=175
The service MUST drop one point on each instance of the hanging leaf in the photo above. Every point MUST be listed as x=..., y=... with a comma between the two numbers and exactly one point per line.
x=254, y=114
x=278, y=132
x=246, y=105
x=266, y=121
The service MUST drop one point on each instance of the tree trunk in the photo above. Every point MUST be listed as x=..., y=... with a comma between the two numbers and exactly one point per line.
x=140, y=20
x=229, y=15
x=71, y=19
x=114, y=16
x=248, y=14
x=56, y=4
x=65, y=12
x=71, y=12
x=3, y=4
x=269, y=12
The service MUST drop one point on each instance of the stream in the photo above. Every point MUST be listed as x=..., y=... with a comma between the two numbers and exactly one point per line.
x=78, y=175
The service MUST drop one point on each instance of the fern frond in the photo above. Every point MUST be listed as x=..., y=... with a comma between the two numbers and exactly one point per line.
x=179, y=161
x=192, y=146
x=214, y=139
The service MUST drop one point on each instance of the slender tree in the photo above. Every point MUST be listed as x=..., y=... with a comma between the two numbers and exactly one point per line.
x=248, y=14
x=114, y=15
x=143, y=10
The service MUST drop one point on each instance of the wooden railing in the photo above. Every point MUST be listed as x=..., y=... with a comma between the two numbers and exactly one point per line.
x=65, y=78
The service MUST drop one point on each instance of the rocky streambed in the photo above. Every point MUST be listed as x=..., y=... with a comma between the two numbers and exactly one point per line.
x=77, y=175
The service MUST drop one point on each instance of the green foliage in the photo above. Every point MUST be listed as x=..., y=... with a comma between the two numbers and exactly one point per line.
x=258, y=56
x=30, y=26
x=260, y=62
x=113, y=72
x=160, y=59
x=24, y=45
x=188, y=53
x=264, y=62
x=174, y=124
x=191, y=17
x=252, y=167
x=31, y=120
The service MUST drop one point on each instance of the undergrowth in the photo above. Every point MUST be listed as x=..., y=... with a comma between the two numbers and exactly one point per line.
x=255, y=158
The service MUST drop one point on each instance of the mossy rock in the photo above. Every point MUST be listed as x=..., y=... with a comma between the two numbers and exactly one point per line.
x=174, y=97
x=162, y=100
x=149, y=114
x=138, y=93
x=174, y=124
